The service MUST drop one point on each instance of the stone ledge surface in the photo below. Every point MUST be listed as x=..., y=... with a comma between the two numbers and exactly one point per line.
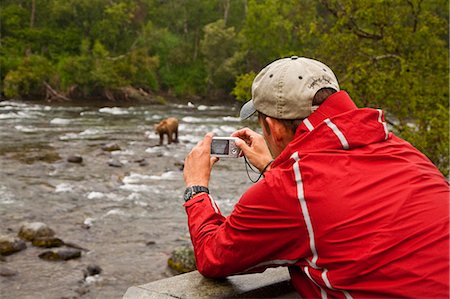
x=273, y=283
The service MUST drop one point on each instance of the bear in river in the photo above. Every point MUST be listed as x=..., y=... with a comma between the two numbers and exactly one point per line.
x=169, y=127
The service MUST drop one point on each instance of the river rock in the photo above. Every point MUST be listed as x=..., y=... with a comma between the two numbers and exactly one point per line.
x=10, y=245
x=47, y=242
x=31, y=231
x=92, y=270
x=75, y=159
x=179, y=164
x=114, y=163
x=110, y=147
x=60, y=255
x=7, y=272
x=182, y=260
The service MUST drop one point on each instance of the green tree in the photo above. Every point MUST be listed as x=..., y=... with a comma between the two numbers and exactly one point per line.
x=394, y=55
x=26, y=82
x=219, y=49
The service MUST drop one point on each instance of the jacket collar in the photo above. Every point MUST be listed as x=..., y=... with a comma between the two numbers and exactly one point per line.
x=335, y=126
x=335, y=104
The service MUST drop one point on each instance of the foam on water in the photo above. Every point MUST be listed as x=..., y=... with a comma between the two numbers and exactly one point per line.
x=170, y=175
x=123, y=152
x=14, y=115
x=26, y=129
x=114, y=110
x=60, y=121
x=151, y=135
x=69, y=136
x=115, y=212
x=136, y=188
x=92, y=131
x=204, y=107
x=95, y=195
x=6, y=197
x=89, y=221
x=134, y=196
x=135, y=178
x=63, y=188
x=191, y=119
x=12, y=104
x=231, y=119
x=154, y=150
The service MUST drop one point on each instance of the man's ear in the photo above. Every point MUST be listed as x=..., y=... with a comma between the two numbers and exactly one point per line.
x=277, y=130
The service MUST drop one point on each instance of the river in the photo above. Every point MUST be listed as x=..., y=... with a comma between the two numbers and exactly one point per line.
x=124, y=206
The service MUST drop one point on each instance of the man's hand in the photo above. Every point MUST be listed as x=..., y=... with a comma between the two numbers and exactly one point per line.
x=254, y=147
x=198, y=163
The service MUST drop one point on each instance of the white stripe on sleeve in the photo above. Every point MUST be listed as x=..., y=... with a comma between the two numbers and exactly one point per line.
x=338, y=133
x=301, y=198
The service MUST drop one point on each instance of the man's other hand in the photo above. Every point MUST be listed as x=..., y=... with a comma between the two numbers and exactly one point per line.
x=254, y=147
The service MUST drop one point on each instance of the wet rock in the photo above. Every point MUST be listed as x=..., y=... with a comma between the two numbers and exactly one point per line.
x=92, y=270
x=110, y=147
x=75, y=159
x=88, y=222
x=7, y=272
x=141, y=162
x=60, y=255
x=47, y=242
x=10, y=245
x=34, y=230
x=179, y=164
x=114, y=163
x=182, y=260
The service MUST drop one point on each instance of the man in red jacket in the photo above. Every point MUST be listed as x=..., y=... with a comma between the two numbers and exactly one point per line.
x=351, y=209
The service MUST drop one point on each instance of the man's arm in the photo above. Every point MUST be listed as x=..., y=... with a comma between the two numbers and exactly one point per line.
x=262, y=231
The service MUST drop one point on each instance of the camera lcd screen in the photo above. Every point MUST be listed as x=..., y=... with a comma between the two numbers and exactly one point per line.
x=220, y=147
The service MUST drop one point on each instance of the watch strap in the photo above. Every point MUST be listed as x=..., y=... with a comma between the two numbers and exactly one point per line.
x=193, y=190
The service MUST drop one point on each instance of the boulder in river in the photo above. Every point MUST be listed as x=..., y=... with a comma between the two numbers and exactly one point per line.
x=110, y=147
x=115, y=163
x=34, y=230
x=75, y=159
x=10, y=245
x=92, y=270
x=7, y=272
x=182, y=260
x=60, y=255
x=47, y=242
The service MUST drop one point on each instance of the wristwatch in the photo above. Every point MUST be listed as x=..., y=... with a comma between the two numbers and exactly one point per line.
x=191, y=191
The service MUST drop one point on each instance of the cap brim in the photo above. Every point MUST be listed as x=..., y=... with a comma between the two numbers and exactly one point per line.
x=247, y=110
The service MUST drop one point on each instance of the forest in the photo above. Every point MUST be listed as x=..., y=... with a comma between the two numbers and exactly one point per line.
x=389, y=54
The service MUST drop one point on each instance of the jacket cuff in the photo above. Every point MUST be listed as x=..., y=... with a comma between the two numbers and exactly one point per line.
x=200, y=197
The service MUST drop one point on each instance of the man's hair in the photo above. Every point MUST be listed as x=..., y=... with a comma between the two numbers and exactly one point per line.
x=292, y=124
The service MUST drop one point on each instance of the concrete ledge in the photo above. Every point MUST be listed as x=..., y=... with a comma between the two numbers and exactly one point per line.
x=273, y=283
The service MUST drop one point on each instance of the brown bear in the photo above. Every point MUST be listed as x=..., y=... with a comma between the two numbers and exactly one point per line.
x=168, y=126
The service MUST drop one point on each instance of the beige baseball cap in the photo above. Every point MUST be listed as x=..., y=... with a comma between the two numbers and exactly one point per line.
x=285, y=88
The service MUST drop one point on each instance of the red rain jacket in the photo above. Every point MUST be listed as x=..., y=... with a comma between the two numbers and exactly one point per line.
x=351, y=209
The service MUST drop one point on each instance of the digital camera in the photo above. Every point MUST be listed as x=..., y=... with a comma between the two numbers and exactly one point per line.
x=224, y=147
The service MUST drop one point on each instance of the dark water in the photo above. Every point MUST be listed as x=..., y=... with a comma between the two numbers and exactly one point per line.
x=135, y=211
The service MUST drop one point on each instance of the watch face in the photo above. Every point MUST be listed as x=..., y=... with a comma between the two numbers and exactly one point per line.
x=188, y=193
